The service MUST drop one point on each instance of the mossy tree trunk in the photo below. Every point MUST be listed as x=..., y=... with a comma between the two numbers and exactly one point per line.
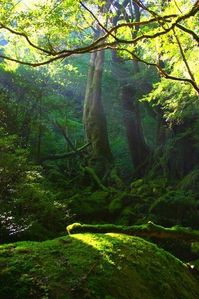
x=139, y=151
x=184, y=154
x=177, y=151
x=94, y=116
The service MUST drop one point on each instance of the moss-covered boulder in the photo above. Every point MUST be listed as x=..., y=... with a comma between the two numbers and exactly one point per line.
x=103, y=266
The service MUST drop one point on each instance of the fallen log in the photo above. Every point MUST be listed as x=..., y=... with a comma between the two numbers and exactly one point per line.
x=145, y=230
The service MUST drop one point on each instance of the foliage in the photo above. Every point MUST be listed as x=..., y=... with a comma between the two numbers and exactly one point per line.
x=90, y=206
x=28, y=209
x=177, y=101
x=132, y=206
x=176, y=207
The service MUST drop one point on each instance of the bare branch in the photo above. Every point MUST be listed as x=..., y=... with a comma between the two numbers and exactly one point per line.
x=63, y=131
x=176, y=4
x=36, y=64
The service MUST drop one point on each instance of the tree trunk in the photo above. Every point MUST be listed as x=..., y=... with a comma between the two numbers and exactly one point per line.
x=184, y=156
x=139, y=151
x=94, y=117
x=138, y=148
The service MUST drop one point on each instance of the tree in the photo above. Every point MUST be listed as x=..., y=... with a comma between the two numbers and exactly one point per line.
x=94, y=117
x=138, y=148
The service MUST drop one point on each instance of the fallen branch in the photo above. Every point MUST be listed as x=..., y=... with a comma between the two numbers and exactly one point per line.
x=146, y=230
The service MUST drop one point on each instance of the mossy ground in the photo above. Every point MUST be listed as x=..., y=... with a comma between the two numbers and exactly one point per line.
x=104, y=266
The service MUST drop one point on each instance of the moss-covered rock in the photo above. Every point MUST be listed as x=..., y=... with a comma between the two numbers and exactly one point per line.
x=104, y=266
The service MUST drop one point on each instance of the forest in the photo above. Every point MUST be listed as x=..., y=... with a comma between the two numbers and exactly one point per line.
x=99, y=149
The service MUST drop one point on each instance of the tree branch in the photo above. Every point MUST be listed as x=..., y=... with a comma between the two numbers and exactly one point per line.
x=162, y=72
x=34, y=64
x=62, y=130
x=183, y=57
x=191, y=32
x=96, y=45
x=27, y=39
x=95, y=18
x=66, y=155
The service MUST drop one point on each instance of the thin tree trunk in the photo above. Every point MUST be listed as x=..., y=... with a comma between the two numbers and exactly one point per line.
x=39, y=136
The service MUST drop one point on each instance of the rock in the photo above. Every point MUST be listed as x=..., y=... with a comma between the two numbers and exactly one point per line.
x=98, y=266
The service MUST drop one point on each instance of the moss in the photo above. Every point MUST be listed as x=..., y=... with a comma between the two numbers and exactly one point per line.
x=93, y=266
x=90, y=206
x=115, y=206
x=176, y=207
x=190, y=182
x=120, y=201
x=127, y=217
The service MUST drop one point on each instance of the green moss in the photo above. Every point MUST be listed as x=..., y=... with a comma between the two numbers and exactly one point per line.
x=115, y=205
x=176, y=207
x=93, y=266
x=119, y=202
x=195, y=250
x=190, y=182
x=89, y=206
